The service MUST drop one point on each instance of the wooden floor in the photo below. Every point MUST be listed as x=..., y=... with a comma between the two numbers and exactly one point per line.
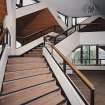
x=29, y=81
x=98, y=79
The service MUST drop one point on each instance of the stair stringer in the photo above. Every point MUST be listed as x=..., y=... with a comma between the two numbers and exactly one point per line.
x=3, y=62
x=29, y=46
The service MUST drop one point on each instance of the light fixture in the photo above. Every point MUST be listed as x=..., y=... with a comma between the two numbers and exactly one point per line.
x=91, y=7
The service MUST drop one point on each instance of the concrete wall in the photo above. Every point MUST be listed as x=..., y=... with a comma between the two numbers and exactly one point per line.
x=67, y=45
x=77, y=8
x=92, y=38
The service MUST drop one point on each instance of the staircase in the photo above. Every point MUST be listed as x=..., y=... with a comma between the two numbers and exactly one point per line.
x=29, y=81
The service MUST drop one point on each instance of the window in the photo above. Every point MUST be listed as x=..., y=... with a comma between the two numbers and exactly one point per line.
x=86, y=54
x=101, y=56
x=76, y=56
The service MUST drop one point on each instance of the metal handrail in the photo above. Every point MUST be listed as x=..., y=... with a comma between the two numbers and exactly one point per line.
x=63, y=33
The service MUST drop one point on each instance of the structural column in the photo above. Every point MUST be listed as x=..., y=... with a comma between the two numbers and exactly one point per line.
x=10, y=23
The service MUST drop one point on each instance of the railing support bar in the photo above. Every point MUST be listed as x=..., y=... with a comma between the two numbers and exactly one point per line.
x=64, y=66
x=92, y=98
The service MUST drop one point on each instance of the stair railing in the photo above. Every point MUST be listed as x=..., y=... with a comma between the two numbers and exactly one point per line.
x=67, y=33
x=71, y=30
x=54, y=52
x=5, y=39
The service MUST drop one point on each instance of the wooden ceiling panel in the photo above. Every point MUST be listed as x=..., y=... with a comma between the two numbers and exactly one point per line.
x=3, y=10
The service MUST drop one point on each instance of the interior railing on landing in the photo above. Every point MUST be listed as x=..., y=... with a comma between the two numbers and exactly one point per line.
x=59, y=59
x=54, y=39
x=91, y=27
x=80, y=28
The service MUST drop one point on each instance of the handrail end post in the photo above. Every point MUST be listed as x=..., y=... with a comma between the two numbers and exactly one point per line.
x=92, y=97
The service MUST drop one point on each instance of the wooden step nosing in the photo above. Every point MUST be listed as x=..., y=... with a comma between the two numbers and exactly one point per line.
x=62, y=102
x=3, y=94
x=25, y=77
x=26, y=70
x=33, y=63
x=40, y=96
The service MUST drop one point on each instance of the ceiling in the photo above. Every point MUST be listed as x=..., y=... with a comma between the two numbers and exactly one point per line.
x=78, y=8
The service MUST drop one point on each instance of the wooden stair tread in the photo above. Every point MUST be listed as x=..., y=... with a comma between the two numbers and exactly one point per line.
x=51, y=99
x=22, y=74
x=38, y=49
x=25, y=60
x=28, y=80
x=29, y=70
x=32, y=55
x=16, y=85
x=16, y=67
x=20, y=71
x=25, y=95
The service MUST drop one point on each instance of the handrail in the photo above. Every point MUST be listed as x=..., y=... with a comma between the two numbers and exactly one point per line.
x=83, y=78
x=76, y=27
x=78, y=72
x=63, y=33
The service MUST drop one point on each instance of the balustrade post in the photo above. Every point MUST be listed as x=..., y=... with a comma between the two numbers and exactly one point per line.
x=64, y=66
x=92, y=97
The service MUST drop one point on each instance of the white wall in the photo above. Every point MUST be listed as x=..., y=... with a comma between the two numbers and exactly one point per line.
x=92, y=38
x=67, y=45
